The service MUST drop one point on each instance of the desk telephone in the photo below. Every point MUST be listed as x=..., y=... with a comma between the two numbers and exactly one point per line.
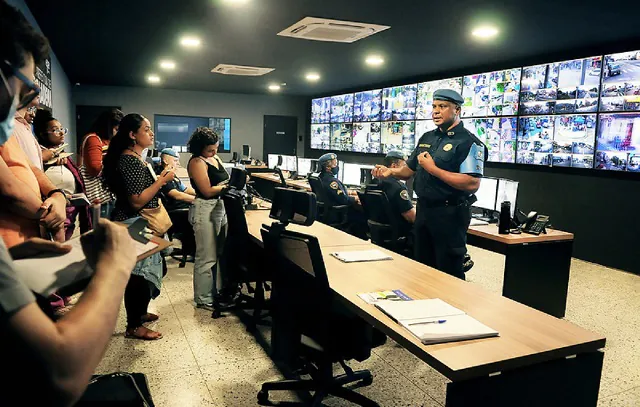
x=535, y=224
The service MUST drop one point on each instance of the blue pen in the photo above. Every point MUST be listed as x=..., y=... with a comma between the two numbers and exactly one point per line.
x=439, y=321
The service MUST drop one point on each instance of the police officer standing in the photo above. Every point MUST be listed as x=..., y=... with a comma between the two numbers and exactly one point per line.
x=337, y=194
x=448, y=163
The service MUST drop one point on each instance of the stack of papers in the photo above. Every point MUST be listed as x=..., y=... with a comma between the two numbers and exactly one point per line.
x=389, y=295
x=361, y=255
x=435, y=321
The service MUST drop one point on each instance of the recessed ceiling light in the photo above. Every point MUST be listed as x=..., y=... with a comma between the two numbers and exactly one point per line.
x=274, y=88
x=485, y=32
x=190, y=41
x=312, y=77
x=374, y=60
x=167, y=65
x=235, y=2
x=153, y=78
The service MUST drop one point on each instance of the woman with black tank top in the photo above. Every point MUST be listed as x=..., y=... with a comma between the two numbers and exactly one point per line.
x=207, y=215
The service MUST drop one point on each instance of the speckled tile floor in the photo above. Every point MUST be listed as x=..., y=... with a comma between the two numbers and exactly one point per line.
x=206, y=362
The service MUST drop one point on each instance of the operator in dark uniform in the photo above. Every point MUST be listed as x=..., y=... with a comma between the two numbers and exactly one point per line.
x=397, y=192
x=337, y=194
x=448, y=163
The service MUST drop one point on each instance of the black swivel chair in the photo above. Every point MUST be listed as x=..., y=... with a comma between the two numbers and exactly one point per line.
x=327, y=332
x=384, y=225
x=336, y=216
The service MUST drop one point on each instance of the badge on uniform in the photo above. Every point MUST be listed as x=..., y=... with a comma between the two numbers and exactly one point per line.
x=447, y=147
x=404, y=195
x=424, y=145
x=334, y=185
x=480, y=155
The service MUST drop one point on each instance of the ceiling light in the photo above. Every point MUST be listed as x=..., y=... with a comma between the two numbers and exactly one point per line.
x=485, y=32
x=190, y=42
x=312, y=77
x=274, y=88
x=153, y=78
x=374, y=60
x=235, y=2
x=167, y=65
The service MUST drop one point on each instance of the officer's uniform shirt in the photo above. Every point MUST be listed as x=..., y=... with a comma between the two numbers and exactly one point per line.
x=456, y=150
x=397, y=194
x=335, y=190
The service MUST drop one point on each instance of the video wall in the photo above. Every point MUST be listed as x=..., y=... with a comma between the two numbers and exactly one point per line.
x=581, y=113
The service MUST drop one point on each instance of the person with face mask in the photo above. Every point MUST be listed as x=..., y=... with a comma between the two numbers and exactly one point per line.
x=448, y=163
x=338, y=194
x=176, y=195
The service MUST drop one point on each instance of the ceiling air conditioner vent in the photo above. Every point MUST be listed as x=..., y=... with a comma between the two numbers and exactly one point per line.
x=321, y=29
x=240, y=70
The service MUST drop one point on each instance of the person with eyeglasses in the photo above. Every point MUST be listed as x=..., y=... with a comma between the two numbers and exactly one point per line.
x=24, y=133
x=63, y=172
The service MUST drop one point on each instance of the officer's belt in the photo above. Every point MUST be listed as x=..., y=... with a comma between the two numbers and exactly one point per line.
x=461, y=201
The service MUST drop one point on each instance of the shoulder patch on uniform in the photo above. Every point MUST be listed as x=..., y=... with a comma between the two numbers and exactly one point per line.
x=334, y=185
x=447, y=147
x=404, y=195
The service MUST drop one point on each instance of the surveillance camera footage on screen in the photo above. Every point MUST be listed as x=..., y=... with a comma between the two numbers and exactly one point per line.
x=579, y=113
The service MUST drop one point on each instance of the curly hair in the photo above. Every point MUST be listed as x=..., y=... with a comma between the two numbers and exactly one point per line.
x=201, y=138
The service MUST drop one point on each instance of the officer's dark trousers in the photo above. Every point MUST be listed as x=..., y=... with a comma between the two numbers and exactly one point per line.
x=441, y=237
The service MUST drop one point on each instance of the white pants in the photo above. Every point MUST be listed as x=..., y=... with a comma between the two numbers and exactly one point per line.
x=209, y=221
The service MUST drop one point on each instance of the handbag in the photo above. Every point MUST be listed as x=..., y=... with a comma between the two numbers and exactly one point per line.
x=118, y=390
x=158, y=218
x=94, y=186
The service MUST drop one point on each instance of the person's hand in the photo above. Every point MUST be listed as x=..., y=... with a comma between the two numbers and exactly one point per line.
x=114, y=250
x=52, y=212
x=380, y=171
x=167, y=175
x=62, y=161
x=426, y=161
x=357, y=199
x=35, y=246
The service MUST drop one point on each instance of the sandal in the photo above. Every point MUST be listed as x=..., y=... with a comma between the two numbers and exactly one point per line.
x=142, y=333
x=149, y=317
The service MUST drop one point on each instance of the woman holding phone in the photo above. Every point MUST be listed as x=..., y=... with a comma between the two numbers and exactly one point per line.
x=136, y=188
x=207, y=215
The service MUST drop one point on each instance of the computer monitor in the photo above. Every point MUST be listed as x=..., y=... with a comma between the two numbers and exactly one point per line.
x=507, y=191
x=305, y=166
x=272, y=160
x=351, y=173
x=341, y=173
x=289, y=163
x=487, y=194
x=246, y=151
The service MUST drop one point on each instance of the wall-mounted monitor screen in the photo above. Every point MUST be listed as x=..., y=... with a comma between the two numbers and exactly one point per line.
x=621, y=82
x=367, y=106
x=321, y=110
x=321, y=136
x=399, y=102
x=342, y=137
x=618, y=146
x=574, y=140
x=342, y=108
x=398, y=136
x=561, y=87
x=424, y=105
x=535, y=140
x=498, y=134
x=491, y=94
x=475, y=91
x=366, y=138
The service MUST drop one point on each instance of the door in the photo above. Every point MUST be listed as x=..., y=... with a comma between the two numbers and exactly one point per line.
x=280, y=135
x=85, y=116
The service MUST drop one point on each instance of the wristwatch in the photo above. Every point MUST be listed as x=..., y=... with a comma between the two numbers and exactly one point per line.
x=54, y=191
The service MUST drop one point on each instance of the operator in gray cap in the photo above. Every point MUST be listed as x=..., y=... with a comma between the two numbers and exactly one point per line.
x=448, y=163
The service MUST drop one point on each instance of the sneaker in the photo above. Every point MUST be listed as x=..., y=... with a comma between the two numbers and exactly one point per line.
x=208, y=307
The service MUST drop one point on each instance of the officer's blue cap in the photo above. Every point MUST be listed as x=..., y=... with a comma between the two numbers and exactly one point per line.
x=326, y=157
x=448, y=95
x=396, y=154
x=170, y=151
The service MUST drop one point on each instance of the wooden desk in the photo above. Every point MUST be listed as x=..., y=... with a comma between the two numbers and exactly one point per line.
x=265, y=183
x=537, y=268
x=537, y=360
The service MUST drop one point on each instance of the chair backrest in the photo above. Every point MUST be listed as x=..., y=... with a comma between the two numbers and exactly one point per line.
x=377, y=206
x=237, y=230
x=238, y=178
x=316, y=186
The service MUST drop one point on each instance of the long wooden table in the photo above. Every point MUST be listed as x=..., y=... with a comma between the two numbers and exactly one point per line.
x=536, y=360
x=536, y=267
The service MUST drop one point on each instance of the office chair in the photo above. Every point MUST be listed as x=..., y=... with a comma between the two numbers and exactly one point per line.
x=242, y=261
x=335, y=216
x=384, y=225
x=327, y=332
x=235, y=157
